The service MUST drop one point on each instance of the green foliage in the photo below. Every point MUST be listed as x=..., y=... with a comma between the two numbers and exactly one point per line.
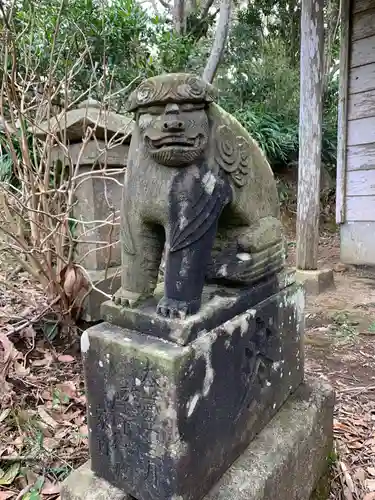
x=119, y=43
x=278, y=140
x=259, y=82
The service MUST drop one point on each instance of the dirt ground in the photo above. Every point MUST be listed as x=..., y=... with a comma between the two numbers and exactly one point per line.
x=340, y=348
x=42, y=403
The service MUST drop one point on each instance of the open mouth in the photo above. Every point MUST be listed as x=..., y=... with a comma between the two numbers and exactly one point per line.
x=171, y=142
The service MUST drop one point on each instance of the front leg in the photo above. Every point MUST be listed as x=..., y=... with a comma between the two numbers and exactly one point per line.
x=196, y=203
x=142, y=247
x=184, y=277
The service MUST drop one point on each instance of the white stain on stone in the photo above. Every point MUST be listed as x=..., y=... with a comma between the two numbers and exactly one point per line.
x=244, y=257
x=223, y=271
x=229, y=327
x=111, y=393
x=276, y=365
x=209, y=375
x=244, y=325
x=209, y=182
x=137, y=382
x=85, y=342
x=203, y=349
x=101, y=363
x=183, y=221
x=192, y=403
x=241, y=322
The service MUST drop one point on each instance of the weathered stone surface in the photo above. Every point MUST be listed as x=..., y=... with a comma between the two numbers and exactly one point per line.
x=316, y=281
x=219, y=304
x=285, y=461
x=97, y=211
x=198, y=185
x=166, y=421
x=83, y=484
x=105, y=280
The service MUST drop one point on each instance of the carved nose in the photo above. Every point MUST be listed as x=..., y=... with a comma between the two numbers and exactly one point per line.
x=173, y=126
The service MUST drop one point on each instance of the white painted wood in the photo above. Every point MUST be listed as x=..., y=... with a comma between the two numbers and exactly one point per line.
x=361, y=105
x=361, y=131
x=342, y=112
x=360, y=5
x=310, y=133
x=360, y=183
x=360, y=208
x=357, y=243
x=360, y=157
x=363, y=24
x=362, y=52
x=362, y=79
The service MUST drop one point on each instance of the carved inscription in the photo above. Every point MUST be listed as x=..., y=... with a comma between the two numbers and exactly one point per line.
x=257, y=363
x=127, y=428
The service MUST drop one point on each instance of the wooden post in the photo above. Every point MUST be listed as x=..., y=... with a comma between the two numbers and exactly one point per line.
x=310, y=133
x=342, y=128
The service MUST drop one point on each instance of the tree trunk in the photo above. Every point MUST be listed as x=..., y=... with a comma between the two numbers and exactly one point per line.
x=179, y=17
x=219, y=42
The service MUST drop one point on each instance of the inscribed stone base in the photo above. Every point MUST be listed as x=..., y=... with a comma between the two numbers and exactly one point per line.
x=166, y=421
x=286, y=461
x=108, y=281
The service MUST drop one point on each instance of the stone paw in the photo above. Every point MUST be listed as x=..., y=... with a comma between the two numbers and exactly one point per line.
x=125, y=298
x=174, y=309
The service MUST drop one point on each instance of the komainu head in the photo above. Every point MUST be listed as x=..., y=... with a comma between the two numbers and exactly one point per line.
x=171, y=113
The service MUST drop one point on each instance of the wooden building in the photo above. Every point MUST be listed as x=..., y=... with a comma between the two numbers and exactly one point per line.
x=355, y=198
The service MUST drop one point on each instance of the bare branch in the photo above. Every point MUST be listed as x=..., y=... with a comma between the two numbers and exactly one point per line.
x=165, y=4
x=206, y=8
x=219, y=42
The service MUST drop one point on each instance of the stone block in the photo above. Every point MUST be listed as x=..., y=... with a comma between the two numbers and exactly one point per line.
x=286, y=461
x=317, y=281
x=108, y=281
x=97, y=210
x=166, y=421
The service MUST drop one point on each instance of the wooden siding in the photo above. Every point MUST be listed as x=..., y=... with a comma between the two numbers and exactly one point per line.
x=357, y=243
x=360, y=130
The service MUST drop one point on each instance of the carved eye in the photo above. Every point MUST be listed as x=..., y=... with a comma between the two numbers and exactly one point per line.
x=192, y=107
x=152, y=110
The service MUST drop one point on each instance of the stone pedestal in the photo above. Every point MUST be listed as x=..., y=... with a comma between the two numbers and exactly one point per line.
x=167, y=420
x=286, y=461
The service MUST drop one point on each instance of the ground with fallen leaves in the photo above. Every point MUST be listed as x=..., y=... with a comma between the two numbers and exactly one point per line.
x=43, y=433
